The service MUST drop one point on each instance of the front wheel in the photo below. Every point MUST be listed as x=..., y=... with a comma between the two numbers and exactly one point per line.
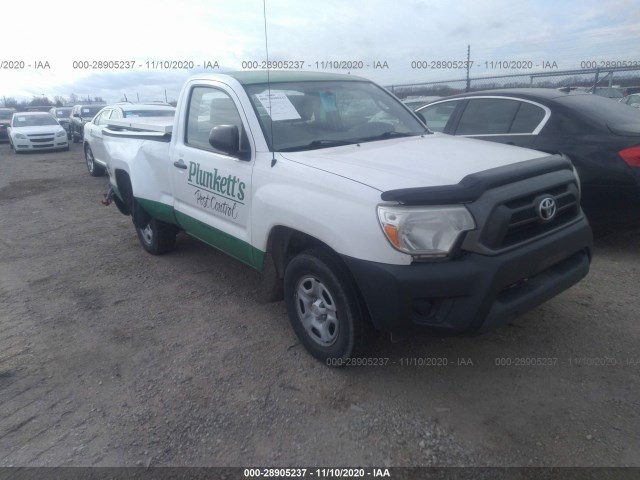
x=157, y=237
x=323, y=306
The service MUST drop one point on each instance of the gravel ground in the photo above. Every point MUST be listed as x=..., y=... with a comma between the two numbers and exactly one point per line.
x=113, y=357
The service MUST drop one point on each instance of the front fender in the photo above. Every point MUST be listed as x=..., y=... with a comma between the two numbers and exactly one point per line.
x=335, y=210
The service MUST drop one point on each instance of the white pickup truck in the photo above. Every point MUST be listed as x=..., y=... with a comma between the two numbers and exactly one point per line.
x=354, y=212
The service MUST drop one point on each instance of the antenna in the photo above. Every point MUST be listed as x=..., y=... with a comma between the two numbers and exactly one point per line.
x=266, y=47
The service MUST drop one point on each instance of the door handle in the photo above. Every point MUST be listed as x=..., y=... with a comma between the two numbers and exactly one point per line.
x=180, y=164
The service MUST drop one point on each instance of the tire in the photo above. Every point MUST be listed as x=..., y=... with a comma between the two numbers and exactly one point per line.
x=95, y=170
x=157, y=237
x=323, y=307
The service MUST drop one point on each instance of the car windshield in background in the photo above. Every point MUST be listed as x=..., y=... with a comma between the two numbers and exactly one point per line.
x=149, y=113
x=86, y=111
x=311, y=115
x=5, y=115
x=63, y=113
x=33, y=120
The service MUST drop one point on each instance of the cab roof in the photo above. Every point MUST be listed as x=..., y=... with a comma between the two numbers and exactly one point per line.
x=274, y=76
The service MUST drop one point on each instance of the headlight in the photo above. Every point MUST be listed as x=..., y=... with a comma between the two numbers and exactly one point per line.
x=429, y=232
x=61, y=133
x=20, y=136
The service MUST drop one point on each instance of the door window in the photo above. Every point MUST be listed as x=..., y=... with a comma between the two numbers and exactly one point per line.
x=438, y=115
x=485, y=116
x=498, y=116
x=527, y=119
x=208, y=108
x=102, y=118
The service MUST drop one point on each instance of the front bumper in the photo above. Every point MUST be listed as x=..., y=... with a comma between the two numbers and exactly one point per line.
x=28, y=146
x=474, y=293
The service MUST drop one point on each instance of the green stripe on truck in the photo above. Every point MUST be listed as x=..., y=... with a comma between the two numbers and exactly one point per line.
x=229, y=244
x=158, y=210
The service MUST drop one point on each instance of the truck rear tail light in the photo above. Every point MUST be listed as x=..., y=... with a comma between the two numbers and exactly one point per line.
x=631, y=156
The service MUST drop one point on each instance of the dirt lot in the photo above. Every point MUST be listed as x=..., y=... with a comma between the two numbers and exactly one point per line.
x=110, y=356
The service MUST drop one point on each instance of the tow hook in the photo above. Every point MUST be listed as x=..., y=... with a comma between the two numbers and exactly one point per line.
x=108, y=197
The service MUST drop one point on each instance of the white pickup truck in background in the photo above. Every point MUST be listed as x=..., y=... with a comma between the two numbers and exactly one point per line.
x=354, y=212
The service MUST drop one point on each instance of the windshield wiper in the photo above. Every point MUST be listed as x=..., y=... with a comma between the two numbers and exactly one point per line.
x=385, y=135
x=318, y=144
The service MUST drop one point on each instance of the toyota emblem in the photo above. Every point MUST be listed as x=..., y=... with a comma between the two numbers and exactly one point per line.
x=547, y=209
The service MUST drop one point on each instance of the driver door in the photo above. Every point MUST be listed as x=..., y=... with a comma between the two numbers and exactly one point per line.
x=212, y=190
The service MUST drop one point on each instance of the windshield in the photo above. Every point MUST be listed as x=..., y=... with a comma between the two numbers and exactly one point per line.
x=63, y=112
x=91, y=111
x=321, y=114
x=149, y=113
x=33, y=120
x=6, y=114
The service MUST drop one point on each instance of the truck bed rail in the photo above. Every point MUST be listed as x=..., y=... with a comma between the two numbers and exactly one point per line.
x=140, y=126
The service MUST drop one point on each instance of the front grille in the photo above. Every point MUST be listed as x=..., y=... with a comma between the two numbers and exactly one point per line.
x=40, y=140
x=517, y=220
x=48, y=145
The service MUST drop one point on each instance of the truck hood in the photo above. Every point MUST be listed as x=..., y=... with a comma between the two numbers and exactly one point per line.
x=432, y=160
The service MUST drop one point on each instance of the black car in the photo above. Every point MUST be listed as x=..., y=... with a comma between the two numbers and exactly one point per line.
x=80, y=115
x=600, y=136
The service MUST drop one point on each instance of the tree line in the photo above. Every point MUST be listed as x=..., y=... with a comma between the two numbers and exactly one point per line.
x=43, y=100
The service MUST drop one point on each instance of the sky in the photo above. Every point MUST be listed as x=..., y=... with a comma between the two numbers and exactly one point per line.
x=397, y=36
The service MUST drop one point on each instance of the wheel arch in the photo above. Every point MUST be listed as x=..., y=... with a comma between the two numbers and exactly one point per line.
x=284, y=243
x=125, y=200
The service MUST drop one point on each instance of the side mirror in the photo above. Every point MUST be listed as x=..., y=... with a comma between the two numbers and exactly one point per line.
x=225, y=138
x=76, y=115
x=421, y=117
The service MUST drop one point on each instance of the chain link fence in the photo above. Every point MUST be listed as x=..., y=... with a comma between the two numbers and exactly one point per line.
x=614, y=80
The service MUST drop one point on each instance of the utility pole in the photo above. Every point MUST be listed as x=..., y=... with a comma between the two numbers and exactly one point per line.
x=468, y=62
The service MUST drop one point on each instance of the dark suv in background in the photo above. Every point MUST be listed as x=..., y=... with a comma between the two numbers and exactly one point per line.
x=63, y=115
x=80, y=115
x=5, y=121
